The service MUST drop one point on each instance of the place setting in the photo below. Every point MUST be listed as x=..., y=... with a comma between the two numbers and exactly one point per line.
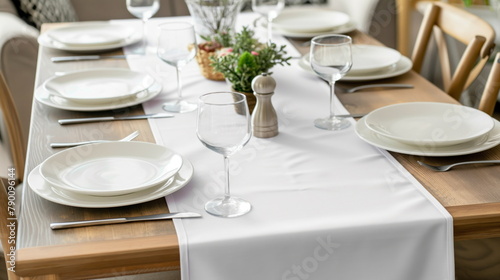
x=110, y=174
x=98, y=89
x=89, y=37
x=429, y=129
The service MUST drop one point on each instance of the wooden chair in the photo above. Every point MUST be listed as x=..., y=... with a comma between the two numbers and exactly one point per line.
x=15, y=136
x=443, y=19
x=491, y=89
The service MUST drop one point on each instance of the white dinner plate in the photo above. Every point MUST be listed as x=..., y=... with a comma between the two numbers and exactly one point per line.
x=401, y=67
x=45, y=97
x=46, y=41
x=300, y=20
x=486, y=142
x=98, y=85
x=48, y=192
x=111, y=169
x=90, y=34
x=429, y=123
x=343, y=29
x=368, y=59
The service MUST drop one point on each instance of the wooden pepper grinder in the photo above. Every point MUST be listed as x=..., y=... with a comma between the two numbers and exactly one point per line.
x=264, y=118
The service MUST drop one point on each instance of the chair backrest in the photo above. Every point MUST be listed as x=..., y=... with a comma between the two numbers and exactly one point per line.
x=13, y=127
x=491, y=89
x=443, y=19
x=8, y=227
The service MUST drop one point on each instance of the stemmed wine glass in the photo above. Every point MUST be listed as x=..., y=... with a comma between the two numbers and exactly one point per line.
x=270, y=9
x=143, y=9
x=177, y=47
x=223, y=126
x=331, y=59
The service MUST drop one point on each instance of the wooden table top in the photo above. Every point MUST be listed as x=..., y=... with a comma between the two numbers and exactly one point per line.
x=471, y=195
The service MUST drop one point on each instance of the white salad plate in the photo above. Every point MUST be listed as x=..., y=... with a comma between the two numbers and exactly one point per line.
x=429, y=123
x=299, y=20
x=48, y=98
x=50, y=193
x=368, y=59
x=46, y=40
x=110, y=169
x=98, y=85
x=484, y=143
x=401, y=67
x=90, y=34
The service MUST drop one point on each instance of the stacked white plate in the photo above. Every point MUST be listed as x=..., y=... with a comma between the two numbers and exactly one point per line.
x=368, y=59
x=110, y=174
x=309, y=22
x=429, y=129
x=98, y=89
x=370, y=63
x=89, y=36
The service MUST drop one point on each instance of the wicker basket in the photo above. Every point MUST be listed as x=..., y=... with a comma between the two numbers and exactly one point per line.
x=203, y=59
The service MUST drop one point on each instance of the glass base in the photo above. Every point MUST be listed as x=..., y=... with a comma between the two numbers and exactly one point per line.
x=228, y=207
x=179, y=106
x=332, y=123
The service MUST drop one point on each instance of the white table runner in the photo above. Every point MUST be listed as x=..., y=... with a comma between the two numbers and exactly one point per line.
x=326, y=205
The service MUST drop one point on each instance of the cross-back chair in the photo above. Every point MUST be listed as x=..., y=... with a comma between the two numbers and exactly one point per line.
x=15, y=141
x=443, y=19
x=491, y=89
x=14, y=137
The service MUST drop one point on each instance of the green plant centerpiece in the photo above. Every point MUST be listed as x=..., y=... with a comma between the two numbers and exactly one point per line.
x=247, y=58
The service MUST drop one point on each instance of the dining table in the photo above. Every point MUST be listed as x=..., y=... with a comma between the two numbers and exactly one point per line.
x=471, y=195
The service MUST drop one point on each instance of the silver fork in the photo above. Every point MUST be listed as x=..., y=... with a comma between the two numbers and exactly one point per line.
x=444, y=168
x=354, y=89
x=67, y=145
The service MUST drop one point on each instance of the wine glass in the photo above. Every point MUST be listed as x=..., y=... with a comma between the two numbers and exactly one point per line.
x=223, y=126
x=143, y=9
x=270, y=9
x=177, y=47
x=331, y=59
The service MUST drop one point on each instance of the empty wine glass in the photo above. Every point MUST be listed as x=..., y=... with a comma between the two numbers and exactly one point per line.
x=177, y=47
x=331, y=59
x=223, y=126
x=270, y=9
x=143, y=9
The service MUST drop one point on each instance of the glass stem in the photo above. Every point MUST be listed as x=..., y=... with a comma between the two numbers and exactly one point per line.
x=227, y=193
x=144, y=36
x=332, y=95
x=179, y=83
x=269, y=30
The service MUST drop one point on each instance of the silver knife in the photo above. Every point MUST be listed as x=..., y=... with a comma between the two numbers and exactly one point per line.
x=124, y=220
x=102, y=119
x=351, y=116
x=85, y=57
